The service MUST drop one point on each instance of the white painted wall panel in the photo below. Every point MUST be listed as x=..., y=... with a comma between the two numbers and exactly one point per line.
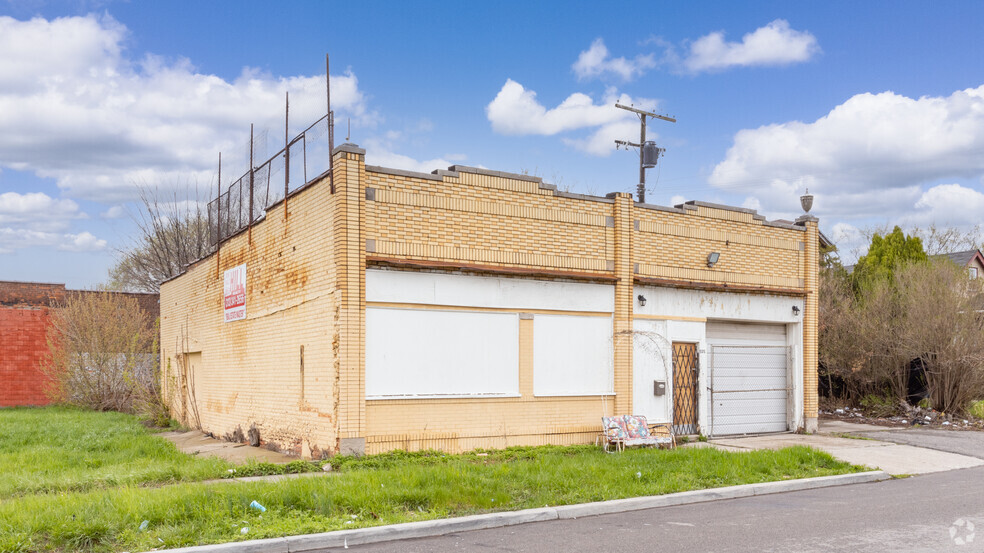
x=479, y=291
x=674, y=302
x=426, y=353
x=652, y=359
x=572, y=355
x=719, y=333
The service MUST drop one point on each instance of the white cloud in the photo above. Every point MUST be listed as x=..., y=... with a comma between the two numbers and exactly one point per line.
x=602, y=141
x=955, y=204
x=82, y=242
x=868, y=157
x=752, y=203
x=773, y=44
x=21, y=238
x=677, y=200
x=74, y=107
x=516, y=111
x=595, y=62
x=114, y=212
x=386, y=158
x=37, y=211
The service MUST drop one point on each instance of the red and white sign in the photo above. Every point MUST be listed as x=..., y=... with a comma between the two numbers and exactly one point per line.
x=234, y=294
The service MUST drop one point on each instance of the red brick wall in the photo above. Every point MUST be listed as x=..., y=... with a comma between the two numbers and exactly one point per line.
x=22, y=346
x=23, y=336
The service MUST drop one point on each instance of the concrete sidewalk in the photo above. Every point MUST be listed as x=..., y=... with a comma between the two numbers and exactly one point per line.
x=195, y=442
x=895, y=459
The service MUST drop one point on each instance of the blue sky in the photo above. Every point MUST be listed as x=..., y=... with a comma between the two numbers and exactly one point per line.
x=877, y=107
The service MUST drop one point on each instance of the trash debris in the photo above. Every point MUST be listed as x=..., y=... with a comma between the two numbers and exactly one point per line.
x=144, y=525
x=946, y=423
x=839, y=411
x=257, y=506
x=348, y=522
x=353, y=517
x=638, y=475
x=244, y=530
x=231, y=471
x=927, y=417
x=326, y=467
x=904, y=421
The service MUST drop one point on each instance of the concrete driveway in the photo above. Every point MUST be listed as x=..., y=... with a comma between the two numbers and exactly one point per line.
x=896, y=452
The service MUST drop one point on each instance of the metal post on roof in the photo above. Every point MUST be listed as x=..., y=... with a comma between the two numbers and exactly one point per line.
x=647, y=150
x=249, y=232
x=286, y=152
x=331, y=130
x=218, y=218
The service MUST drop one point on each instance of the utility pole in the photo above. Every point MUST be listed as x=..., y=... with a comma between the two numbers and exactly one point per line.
x=648, y=152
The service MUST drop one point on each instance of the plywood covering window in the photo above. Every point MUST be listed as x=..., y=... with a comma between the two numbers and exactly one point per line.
x=421, y=353
x=572, y=355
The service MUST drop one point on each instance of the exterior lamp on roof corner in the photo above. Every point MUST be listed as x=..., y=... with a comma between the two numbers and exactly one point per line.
x=712, y=258
x=806, y=201
x=642, y=300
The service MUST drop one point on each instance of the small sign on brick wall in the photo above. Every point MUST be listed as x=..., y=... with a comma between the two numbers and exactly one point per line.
x=234, y=293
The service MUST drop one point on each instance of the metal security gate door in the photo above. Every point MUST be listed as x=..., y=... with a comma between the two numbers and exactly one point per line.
x=748, y=389
x=685, y=369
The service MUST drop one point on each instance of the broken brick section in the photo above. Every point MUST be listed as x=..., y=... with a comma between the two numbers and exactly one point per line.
x=24, y=320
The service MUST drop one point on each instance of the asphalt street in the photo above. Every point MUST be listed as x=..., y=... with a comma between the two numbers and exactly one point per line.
x=942, y=511
x=911, y=514
x=964, y=442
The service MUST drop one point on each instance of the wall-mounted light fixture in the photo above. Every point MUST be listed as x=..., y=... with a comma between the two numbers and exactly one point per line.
x=796, y=311
x=712, y=258
x=642, y=300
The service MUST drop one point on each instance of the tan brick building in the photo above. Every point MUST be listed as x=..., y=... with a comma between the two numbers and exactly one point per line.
x=467, y=308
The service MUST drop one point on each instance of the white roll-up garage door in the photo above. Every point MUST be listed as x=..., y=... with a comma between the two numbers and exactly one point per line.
x=748, y=380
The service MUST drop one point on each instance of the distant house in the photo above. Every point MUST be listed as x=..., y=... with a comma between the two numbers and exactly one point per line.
x=972, y=260
x=25, y=309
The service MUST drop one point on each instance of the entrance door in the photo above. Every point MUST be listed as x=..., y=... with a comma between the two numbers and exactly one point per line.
x=684, y=388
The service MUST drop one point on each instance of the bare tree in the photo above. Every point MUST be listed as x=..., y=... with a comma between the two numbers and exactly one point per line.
x=939, y=240
x=172, y=231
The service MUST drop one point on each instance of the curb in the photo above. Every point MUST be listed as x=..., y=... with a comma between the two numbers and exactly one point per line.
x=431, y=528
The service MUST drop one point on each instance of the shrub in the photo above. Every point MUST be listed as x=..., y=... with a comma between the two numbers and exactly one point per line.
x=103, y=355
x=924, y=311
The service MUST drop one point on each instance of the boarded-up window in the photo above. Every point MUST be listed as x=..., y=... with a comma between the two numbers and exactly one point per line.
x=572, y=355
x=427, y=353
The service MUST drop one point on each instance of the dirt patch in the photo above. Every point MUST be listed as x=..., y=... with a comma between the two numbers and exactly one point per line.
x=915, y=416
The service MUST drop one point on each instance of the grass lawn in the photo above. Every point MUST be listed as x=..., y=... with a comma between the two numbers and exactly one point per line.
x=369, y=491
x=64, y=449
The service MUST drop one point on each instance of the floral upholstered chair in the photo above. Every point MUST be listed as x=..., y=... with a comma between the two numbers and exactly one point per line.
x=633, y=430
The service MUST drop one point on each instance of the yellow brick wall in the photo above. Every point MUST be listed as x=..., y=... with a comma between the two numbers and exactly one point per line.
x=306, y=286
x=488, y=221
x=249, y=372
